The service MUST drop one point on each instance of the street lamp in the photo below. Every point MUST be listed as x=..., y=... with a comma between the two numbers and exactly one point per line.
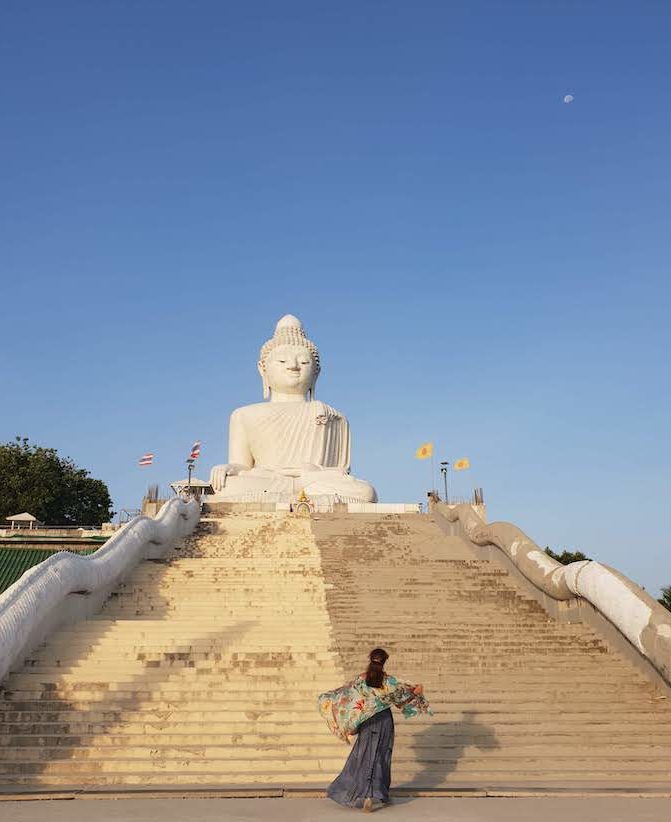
x=443, y=471
x=189, y=465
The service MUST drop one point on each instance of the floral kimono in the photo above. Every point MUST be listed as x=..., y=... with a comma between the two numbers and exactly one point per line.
x=345, y=708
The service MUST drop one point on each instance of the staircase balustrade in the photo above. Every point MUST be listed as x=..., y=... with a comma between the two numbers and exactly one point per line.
x=67, y=587
x=637, y=616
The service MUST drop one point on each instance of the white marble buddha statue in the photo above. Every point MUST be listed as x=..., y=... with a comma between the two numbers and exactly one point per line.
x=292, y=442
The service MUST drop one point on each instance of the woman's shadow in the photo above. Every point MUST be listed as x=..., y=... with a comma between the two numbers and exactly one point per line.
x=439, y=747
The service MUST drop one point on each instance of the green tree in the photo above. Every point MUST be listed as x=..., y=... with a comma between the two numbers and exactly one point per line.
x=52, y=488
x=566, y=556
x=665, y=599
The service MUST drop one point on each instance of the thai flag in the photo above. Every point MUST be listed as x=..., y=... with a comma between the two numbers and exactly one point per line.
x=195, y=450
x=147, y=459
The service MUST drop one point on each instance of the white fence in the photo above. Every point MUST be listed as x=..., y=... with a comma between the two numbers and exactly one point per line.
x=384, y=508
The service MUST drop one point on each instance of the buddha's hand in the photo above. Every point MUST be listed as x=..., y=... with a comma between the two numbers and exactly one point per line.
x=219, y=473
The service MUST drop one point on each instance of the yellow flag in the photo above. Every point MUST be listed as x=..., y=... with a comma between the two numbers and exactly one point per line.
x=461, y=465
x=424, y=451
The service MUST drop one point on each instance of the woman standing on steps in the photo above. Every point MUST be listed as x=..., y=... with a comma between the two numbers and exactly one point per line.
x=363, y=708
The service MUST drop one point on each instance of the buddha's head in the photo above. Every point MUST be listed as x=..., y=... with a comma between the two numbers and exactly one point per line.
x=289, y=362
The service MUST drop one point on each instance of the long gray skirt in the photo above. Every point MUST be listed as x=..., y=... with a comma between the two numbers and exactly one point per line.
x=367, y=771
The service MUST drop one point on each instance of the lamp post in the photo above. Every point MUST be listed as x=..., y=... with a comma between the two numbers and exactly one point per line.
x=443, y=471
x=189, y=466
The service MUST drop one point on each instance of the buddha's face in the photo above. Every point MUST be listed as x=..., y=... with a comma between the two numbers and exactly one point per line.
x=290, y=369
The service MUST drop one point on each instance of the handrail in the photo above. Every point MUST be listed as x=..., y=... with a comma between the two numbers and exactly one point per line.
x=39, y=602
x=636, y=615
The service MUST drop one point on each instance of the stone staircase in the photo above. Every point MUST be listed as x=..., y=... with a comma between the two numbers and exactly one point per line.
x=202, y=671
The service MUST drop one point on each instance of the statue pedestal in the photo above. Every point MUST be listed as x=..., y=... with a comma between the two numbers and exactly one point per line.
x=261, y=485
x=317, y=505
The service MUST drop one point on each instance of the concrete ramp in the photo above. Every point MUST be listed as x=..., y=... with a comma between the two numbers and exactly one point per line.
x=202, y=671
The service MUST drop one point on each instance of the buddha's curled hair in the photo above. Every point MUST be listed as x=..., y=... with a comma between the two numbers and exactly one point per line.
x=375, y=671
x=289, y=331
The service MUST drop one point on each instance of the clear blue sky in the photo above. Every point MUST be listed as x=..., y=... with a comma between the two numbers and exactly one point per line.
x=480, y=264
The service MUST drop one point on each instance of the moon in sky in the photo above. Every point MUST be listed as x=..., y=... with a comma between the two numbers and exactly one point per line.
x=568, y=98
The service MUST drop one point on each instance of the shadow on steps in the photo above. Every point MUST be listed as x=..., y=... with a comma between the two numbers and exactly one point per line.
x=442, y=744
x=41, y=725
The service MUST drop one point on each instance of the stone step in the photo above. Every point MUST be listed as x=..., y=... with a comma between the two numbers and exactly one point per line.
x=111, y=654
x=222, y=698
x=435, y=583
x=252, y=643
x=433, y=779
x=288, y=551
x=217, y=586
x=511, y=671
x=454, y=607
x=328, y=753
x=256, y=641
x=230, y=631
x=620, y=733
x=480, y=625
x=514, y=728
x=198, y=709
x=491, y=597
x=395, y=579
x=213, y=656
x=511, y=668
x=482, y=601
x=178, y=671
x=441, y=659
x=207, y=672
x=225, y=572
x=437, y=588
x=237, y=582
x=232, y=628
x=483, y=613
x=311, y=580
x=299, y=658
x=520, y=765
x=243, y=681
x=408, y=645
x=225, y=615
x=238, y=640
x=237, y=684
x=259, y=698
x=507, y=672
x=599, y=737
x=228, y=618
x=454, y=709
x=208, y=649
x=480, y=620
x=413, y=571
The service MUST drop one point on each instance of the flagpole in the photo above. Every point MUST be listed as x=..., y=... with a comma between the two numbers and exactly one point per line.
x=433, y=473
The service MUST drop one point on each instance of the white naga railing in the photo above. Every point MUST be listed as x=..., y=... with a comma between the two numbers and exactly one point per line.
x=635, y=614
x=68, y=587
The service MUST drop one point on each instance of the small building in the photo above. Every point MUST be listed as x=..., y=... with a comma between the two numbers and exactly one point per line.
x=24, y=520
x=198, y=486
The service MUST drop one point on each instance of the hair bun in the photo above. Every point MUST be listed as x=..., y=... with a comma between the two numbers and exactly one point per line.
x=375, y=672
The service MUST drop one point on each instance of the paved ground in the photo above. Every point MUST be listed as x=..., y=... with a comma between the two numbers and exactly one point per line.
x=322, y=810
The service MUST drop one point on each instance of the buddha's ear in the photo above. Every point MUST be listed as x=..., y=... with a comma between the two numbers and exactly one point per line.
x=264, y=380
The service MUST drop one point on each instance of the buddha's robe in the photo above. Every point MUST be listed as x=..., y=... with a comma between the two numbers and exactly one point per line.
x=293, y=447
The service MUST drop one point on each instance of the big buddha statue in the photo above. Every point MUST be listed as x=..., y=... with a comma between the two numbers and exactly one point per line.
x=292, y=442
